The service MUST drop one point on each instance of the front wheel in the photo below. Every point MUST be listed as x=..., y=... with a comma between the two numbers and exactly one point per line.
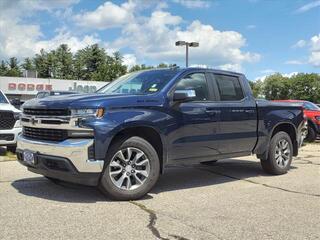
x=279, y=155
x=132, y=168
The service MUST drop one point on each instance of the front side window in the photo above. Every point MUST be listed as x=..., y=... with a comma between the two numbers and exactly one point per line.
x=196, y=82
x=145, y=82
x=229, y=88
x=3, y=98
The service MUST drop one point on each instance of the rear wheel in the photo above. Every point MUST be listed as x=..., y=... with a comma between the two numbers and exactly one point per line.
x=279, y=155
x=132, y=168
x=312, y=135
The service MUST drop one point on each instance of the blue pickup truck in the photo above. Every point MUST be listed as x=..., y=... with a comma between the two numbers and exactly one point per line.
x=122, y=137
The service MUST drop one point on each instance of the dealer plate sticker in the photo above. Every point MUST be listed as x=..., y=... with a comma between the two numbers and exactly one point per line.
x=28, y=157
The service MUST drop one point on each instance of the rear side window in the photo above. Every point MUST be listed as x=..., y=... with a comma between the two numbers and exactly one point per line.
x=229, y=87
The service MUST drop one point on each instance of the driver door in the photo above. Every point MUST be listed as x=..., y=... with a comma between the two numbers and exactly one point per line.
x=197, y=122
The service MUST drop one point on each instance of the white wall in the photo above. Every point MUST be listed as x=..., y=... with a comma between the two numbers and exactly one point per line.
x=28, y=87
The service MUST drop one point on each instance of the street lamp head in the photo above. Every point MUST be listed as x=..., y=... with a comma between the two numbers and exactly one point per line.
x=180, y=43
x=194, y=44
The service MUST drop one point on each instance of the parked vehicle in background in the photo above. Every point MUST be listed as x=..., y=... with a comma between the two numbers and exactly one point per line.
x=10, y=126
x=43, y=94
x=122, y=137
x=312, y=112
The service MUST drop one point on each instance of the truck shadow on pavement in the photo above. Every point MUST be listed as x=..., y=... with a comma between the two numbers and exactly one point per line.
x=175, y=178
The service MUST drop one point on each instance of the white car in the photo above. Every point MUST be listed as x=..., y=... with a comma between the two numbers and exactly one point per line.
x=10, y=126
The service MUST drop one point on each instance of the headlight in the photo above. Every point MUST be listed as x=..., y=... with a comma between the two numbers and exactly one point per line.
x=318, y=118
x=88, y=112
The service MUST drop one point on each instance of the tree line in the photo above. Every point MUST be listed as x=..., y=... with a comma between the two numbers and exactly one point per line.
x=301, y=86
x=90, y=63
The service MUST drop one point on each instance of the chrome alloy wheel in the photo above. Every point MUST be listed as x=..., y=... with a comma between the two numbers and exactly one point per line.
x=129, y=168
x=282, y=153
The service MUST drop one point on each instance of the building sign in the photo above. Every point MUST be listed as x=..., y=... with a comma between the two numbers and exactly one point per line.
x=30, y=86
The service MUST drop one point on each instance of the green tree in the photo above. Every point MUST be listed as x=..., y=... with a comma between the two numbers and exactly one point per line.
x=140, y=67
x=28, y=64
x=88, y=60
x=14, y=69
x=306, y=87
x=3, y=68
x=276, y=87
x=62, y=60
x=257, y=88
x=111, y=69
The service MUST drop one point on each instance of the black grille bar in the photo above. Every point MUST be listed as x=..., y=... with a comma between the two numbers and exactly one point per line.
x=46, y=112
x=7, y=120
x=45, y=134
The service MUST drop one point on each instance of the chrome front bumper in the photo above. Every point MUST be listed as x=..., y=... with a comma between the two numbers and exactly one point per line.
x=75, y=150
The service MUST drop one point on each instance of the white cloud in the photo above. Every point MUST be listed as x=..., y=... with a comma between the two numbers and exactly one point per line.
x=300, y=44
x=129, y=60
x=65, y=37
x=193, y=3
x=154, y=38
x=314, y=57
x=263, y=77
x=308, y=6
x=24, y=40
x=314, y=51
x=149, y=37
x=108, y=15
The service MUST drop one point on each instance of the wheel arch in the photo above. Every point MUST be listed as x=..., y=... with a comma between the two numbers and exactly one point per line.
x=150, y=134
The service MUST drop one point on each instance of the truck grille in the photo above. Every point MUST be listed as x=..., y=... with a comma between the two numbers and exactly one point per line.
x=46, y=112
x=45, y=134
x=7, y=120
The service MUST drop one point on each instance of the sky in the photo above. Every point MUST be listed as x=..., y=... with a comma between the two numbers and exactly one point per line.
x=256, y=37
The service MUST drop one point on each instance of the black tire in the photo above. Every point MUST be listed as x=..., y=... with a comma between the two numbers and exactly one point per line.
x=12, y=149
x=312, y=134
x=270, y=165
x=111, y=190
x=209, y=163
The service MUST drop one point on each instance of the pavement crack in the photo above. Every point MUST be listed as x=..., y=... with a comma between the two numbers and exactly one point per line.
x=152, y=223
x=178, y=237
x=261, y=184
x=152, y=220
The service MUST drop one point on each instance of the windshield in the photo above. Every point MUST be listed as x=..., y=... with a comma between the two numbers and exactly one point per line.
x=3, y=98
x=139, y=82
x=311, y=106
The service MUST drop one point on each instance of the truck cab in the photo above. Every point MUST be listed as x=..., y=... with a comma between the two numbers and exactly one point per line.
x=122, y=137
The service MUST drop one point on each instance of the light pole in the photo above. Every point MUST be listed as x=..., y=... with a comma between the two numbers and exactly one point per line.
x=187, y=44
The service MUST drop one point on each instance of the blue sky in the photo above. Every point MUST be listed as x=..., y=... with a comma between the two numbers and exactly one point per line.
x=257, y=37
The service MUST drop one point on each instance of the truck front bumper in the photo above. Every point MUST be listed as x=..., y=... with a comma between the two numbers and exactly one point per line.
x=68, y=160
x=9, y=136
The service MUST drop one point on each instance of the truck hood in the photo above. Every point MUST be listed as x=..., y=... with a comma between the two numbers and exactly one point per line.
x=93, y=100
x=8, y=107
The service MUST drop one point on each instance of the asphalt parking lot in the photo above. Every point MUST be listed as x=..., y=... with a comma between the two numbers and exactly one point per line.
x=232, y=199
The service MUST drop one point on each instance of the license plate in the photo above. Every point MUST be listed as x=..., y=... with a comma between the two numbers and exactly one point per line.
x=28, y=157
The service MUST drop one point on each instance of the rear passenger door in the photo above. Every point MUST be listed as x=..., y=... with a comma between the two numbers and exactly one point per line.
x=238, y=116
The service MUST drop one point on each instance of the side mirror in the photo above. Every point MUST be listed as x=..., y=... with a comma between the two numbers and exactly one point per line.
x=184, y=95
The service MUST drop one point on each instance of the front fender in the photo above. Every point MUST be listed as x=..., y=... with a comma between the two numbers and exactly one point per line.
x=117, y=120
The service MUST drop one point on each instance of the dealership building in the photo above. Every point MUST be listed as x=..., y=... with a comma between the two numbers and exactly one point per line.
x=26, y=88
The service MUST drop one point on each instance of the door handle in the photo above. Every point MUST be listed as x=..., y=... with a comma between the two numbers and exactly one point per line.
x=212, y=112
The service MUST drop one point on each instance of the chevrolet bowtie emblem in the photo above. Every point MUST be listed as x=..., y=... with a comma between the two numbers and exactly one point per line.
x=33, y=121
